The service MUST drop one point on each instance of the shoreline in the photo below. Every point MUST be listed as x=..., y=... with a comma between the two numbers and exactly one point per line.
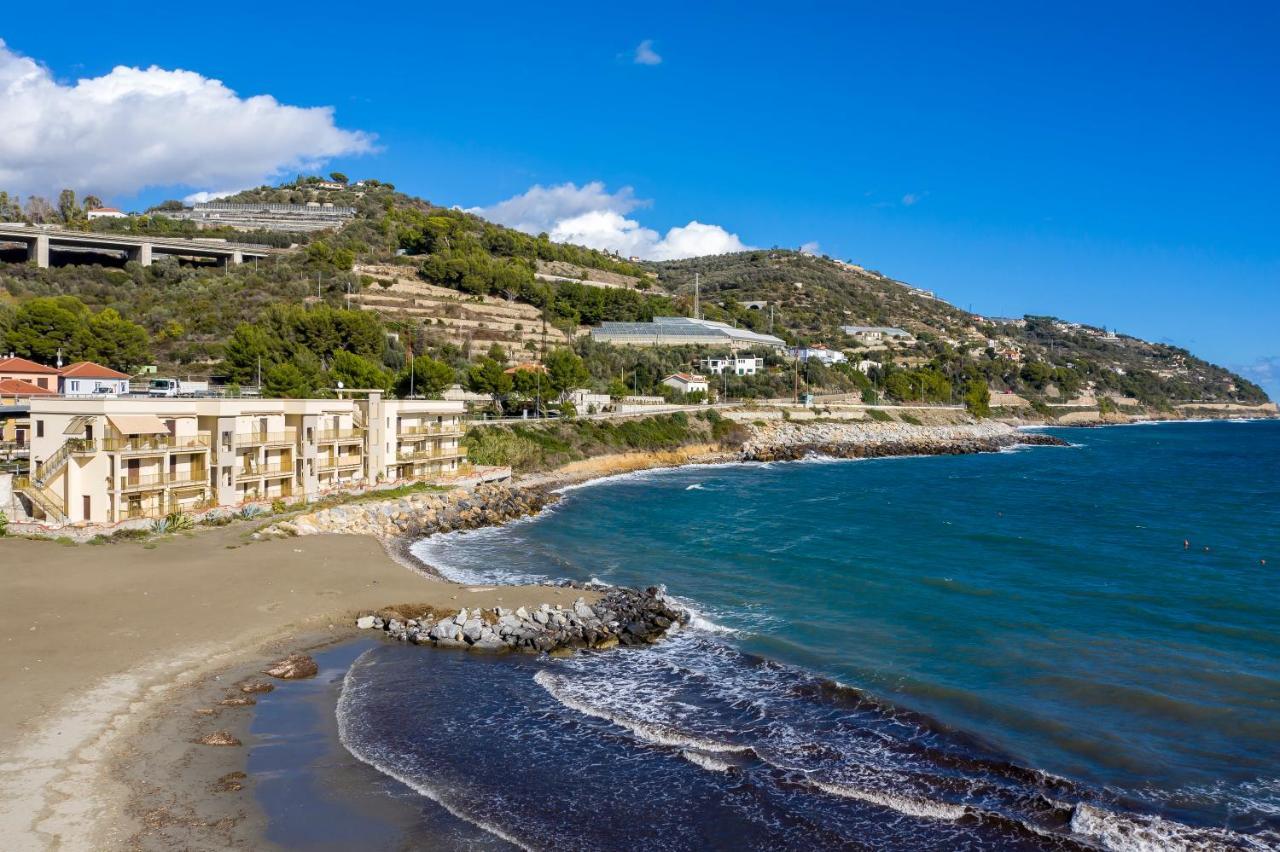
x=88, y=806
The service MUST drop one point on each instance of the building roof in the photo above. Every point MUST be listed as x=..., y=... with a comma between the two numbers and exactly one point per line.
x=17, y=387
x=686, y=327
x=685, y=377
x=22, y=365
x=104, y=210
x=90, y=370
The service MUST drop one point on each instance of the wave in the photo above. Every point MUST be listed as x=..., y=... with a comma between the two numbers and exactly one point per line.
x=360, y=750
x=901, y=804
x=1140, y=833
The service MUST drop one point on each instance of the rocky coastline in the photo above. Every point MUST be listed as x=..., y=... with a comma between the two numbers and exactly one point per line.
x=621, y=616
x=792, y=441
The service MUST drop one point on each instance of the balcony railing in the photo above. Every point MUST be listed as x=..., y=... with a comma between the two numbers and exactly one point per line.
x=271, y=470
x=430, y=429
x=337, y=464
x=155, y=481
x=256, y=439
x=156, y=443
x=427, y=455
x=328, y=435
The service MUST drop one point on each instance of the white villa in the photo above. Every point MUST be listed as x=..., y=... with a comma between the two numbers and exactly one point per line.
x=733, y=364
x=687, y=382
x=872, y=335
x=818, y=352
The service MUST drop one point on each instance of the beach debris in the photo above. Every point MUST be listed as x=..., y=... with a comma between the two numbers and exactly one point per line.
x=239, y=701
x=256, y=686
x=621, y=617
x=206, y=711
x=219, y=738
x=294, y=667
x=231, y=782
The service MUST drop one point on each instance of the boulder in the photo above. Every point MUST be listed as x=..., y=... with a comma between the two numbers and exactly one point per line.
x=365, y=622
x=294, y=667
x=219, y=738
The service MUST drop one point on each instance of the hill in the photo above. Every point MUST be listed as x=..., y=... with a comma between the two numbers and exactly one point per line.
x=405, y=276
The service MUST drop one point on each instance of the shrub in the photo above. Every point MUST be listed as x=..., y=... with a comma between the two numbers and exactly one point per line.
x=910, y=418
x=879, y=416
x=278, y=507
x=4, y=524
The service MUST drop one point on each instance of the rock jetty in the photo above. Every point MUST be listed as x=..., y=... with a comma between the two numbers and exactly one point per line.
x=621, y=617
x=787, y=441
x=418, y=514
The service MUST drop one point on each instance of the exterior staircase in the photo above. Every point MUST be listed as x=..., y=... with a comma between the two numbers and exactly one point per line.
x=40, y=497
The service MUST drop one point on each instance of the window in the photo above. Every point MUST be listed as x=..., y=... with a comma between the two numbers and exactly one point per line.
x=39, y=428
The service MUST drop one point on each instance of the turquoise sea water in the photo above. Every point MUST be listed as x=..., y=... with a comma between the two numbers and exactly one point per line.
x=1099, y=616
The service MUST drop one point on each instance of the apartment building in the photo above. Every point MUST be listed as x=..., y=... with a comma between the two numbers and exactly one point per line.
x=107, y=460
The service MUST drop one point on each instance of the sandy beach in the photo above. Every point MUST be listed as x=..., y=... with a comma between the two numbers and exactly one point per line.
x=96, y=636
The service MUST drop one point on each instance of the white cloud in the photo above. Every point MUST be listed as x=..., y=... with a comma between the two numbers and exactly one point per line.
x=811, y=248
x=592, y=216
x=134, y=128
x=1265, y=372
x=645, y=54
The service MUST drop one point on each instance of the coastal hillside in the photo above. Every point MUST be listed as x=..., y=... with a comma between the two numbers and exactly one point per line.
x=399, y=277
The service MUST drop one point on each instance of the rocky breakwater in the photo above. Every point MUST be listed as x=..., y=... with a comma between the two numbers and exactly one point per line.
x=787, y=441
x=418, y=514
x=621, y=617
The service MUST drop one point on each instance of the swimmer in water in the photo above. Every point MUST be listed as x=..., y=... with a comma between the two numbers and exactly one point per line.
x=1186, y=544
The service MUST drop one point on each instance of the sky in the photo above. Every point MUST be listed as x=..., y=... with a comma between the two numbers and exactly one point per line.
x=1115, y=164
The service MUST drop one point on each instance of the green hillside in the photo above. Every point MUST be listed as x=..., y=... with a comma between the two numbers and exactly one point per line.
x=296, y=318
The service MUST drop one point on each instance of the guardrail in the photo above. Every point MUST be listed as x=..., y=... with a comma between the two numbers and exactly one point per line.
x=289, y=436
x=338, y=435
x=130, y=482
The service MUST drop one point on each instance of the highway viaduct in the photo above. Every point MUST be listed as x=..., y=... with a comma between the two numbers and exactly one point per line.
x=39, y=240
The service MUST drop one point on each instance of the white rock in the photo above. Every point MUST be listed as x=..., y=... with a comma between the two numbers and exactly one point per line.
x=364, y=622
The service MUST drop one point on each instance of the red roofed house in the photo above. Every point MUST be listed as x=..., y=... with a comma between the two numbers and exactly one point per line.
x=85, y=378
x=29, y=371
x=686, y=382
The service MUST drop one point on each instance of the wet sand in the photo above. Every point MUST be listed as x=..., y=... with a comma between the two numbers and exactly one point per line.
x=96, y=637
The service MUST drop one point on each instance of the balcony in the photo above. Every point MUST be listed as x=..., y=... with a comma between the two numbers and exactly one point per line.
x=428, y=455
x=339, y=463
x=429, y=430
x=157, y=481
x=329, y=436
x=145, y=444
x=271, y=471
x=266, y=439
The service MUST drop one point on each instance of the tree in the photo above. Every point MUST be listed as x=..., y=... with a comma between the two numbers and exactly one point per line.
x=47, y=324
x=337, y=177
x=68, y=210
x=285, y=381
x=977, y=398
x=92, y=202
x=116, y=342
x=249, y=348
x=357, y=372
x=430, y=378
x=565, y=370
x=487, y=376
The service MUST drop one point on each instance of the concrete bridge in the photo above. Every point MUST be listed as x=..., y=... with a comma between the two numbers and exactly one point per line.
x=39, y=240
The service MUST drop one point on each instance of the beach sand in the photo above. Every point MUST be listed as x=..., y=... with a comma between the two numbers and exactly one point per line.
x=96, y=637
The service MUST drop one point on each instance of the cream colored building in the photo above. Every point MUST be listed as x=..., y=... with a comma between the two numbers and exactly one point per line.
x=108, y=460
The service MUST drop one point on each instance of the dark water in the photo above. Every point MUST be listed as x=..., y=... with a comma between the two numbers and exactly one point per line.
x=1031, y=658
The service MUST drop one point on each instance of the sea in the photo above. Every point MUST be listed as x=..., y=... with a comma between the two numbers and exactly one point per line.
x=1046, y=648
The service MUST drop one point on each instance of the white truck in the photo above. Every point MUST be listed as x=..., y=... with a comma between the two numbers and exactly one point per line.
x=175, y=387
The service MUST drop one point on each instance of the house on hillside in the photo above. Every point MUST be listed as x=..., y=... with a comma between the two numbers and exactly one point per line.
x=106, y=213
x=733, y=364
x=872, y=335
x=23, y=370
x=682, y=331
x=586, y=401
x=85, y=378
x=818, y=352
x=687, y=382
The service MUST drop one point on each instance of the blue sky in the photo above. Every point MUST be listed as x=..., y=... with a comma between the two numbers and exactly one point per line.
x=1113, y=163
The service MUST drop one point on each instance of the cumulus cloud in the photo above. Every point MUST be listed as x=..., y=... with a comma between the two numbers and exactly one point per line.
x=1265, y=372
x=592, y=216
x=645, y=54
x=134, y=128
